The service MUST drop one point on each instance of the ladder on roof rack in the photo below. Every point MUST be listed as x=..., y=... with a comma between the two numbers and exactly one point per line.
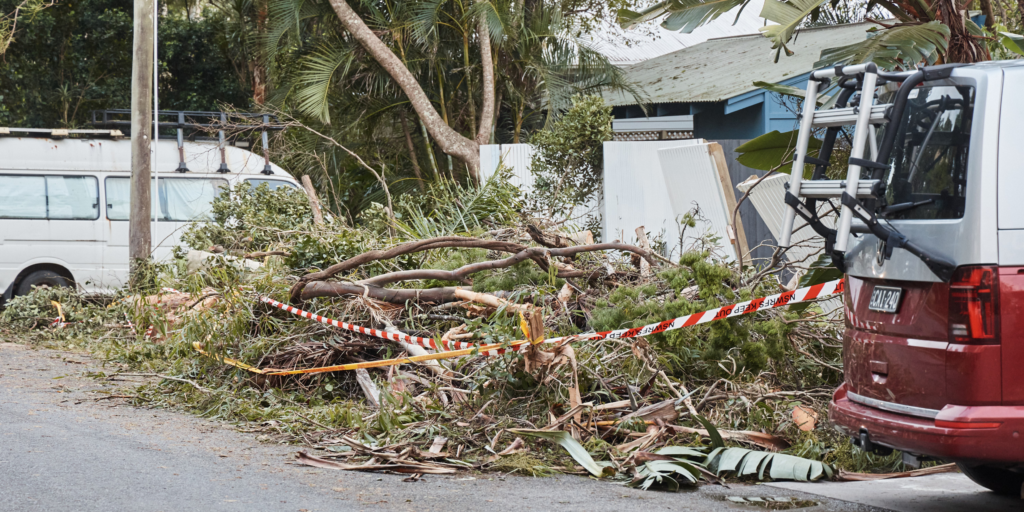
x=860, y=198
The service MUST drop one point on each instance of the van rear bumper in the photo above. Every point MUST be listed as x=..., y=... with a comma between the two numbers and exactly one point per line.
x=920, y=436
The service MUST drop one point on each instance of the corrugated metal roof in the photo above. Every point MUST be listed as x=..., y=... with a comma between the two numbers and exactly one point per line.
x=720, y=69
x=668, y=41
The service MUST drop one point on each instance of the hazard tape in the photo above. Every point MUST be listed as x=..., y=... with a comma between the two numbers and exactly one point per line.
x=743, y=308
x=393, y=336
x=458, y=349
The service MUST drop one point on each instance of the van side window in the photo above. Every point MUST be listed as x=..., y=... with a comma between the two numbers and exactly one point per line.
x=49, y=197
x=271, y=184
x=929, y=161
x=179, y=200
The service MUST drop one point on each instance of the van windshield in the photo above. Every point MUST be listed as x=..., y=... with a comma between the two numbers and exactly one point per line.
x=929, y=159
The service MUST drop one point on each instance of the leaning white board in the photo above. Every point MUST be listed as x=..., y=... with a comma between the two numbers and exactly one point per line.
x=634, y=191
x=691, y=180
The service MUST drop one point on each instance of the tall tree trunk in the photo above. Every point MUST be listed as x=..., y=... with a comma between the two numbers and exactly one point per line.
x=1020, y=7
x=412, y=149
x=451, y=141
x=483, y=134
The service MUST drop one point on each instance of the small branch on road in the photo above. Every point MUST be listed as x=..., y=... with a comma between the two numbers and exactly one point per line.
x=167, y=377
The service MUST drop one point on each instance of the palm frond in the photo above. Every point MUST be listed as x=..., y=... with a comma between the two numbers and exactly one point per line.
x=900, y=47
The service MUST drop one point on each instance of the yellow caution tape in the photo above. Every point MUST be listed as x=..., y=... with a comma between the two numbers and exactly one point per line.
x=489, y=350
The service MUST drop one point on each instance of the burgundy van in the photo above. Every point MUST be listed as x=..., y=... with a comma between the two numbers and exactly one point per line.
x=934, y=361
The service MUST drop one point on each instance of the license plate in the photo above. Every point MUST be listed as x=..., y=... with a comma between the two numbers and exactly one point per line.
x=885, y=299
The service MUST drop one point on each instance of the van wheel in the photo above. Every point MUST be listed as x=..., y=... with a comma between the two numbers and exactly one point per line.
x=42, y=278
x=998, y=480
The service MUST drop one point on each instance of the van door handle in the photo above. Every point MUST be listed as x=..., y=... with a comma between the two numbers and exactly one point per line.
x=879, y=367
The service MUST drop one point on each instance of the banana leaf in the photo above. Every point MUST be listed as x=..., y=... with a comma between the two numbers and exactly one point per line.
x=575, y=449
x=778, y=466
x=773, y=148
x=681, y=15
x=900, y=47
x=787, y=17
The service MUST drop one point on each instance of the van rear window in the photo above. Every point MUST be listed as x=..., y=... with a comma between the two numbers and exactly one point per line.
x=929, y=160
x=49, y=197
x=179, y=199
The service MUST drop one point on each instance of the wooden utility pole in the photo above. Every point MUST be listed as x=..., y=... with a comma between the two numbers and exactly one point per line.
x=139, y=236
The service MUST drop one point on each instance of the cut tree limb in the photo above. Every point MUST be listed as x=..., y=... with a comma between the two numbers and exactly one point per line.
x=641, y=238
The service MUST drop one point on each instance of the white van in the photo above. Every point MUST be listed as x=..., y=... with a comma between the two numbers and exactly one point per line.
x=64, y=203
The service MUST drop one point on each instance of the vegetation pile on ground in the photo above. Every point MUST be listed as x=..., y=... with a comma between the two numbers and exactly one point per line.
x=655, y=409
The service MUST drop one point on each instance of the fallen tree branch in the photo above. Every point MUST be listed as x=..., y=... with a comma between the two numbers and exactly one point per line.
x=372, y=287
x=533, y=253
x=329, y=289
x=401, y=250
x=257, y=255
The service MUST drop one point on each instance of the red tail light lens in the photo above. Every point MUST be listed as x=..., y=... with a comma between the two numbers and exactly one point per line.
x=974, y=306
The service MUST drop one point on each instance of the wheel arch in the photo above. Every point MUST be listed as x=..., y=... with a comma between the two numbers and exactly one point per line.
x=56, y=268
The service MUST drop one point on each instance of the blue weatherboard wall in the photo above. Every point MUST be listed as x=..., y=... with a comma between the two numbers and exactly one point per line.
x=745, y=116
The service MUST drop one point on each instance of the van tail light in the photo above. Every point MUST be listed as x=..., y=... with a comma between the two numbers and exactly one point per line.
x=974, y=306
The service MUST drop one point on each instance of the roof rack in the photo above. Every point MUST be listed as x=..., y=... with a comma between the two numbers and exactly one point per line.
x=60, y=133
x=199, y=125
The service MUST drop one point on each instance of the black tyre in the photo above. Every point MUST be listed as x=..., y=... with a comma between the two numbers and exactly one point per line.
x=39, y=278
x=998, y=480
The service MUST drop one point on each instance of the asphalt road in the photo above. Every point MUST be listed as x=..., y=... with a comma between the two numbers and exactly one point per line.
x=63, y=446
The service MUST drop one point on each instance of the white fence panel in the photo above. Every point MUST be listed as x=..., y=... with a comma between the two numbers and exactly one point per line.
x=515, y=156
x=634, y=190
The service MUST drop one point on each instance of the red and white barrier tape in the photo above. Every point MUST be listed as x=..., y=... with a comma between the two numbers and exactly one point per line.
x=733, y=310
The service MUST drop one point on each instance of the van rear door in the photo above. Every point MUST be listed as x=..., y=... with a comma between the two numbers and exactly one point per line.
x=900, y=344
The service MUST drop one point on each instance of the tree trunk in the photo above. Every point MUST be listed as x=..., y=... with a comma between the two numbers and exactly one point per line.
x=990, y=17
x=412, y=149
x=451, y=141
x=259, y=70
x=1020, y=7
x=139, y=223
x=314, y=201
x=483, y=134
x=962, y=47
